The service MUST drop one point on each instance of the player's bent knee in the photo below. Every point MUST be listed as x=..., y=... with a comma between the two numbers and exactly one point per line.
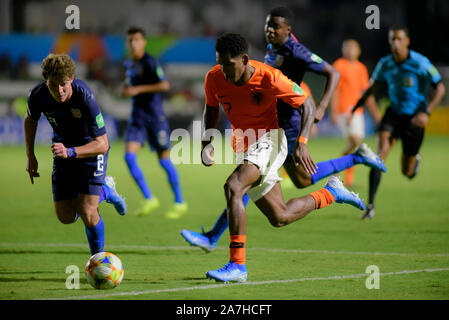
x=66, y=217
x=278, y=222
x=90, y=219
x=233, y=189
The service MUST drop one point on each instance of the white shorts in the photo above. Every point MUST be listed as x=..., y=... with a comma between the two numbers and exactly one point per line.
x=268, y=153
x=355, y=128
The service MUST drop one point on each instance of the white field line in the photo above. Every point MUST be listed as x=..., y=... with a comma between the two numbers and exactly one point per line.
x=148, y=247
x=248, y=283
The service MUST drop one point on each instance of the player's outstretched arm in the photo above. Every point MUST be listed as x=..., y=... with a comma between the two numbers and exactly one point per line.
x=333, y=77
x=30, y=128
x=374, y=85
x=301, y=153
x=99, y=145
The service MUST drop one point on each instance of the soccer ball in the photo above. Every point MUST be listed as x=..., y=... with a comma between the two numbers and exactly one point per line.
x=104, y=270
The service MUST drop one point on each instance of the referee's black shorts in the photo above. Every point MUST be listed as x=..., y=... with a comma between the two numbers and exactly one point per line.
x=400, y=126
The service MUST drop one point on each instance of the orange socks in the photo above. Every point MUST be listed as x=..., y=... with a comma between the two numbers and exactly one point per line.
x=323, y=198
x=349, y=176
x=237, y=249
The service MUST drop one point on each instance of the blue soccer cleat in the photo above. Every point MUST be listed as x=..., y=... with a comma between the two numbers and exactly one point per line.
x=343, y=195
x=370, y=158
x=198, y=240
x=230, y=272
x=114, y=198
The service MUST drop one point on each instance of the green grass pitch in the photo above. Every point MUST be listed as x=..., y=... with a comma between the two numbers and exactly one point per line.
x=323, y=256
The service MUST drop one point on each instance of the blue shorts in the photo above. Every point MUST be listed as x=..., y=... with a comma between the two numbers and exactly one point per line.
x=71, y=177
x=291, y=128
x=157, y=133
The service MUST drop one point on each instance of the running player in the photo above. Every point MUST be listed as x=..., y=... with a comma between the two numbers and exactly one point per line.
x=80, y=147
x=407, y=75
x=248, y=90
x=145, y=82
x=293, y=59
x=354, y=80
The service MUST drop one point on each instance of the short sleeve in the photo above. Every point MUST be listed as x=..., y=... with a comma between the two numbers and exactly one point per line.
x=211, y=100
x=430, y=72
x=312, y=61
x=378, y=72
x=288, y=91
x=155, y=68
x=94, y=116
x=33, y=109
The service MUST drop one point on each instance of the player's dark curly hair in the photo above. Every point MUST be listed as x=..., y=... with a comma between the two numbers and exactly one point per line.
x=134, y=29
x=233, y=43
x=283, y=12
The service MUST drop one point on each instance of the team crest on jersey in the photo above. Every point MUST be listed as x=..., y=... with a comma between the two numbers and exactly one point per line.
x=257, y=97
x=138, y=70
x=279, y=61
x=407, y=82
x=76, y=113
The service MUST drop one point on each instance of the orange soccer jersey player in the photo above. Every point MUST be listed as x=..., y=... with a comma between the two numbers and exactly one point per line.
x=248, y=91
x=353, y=81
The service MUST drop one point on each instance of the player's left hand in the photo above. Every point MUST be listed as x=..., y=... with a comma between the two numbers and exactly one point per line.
x=130, y=91
x=319, y=113
x=59, y=150
x=420, y=120
x=301, y=156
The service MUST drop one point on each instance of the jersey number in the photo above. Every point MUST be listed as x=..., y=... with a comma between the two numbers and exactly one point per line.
x=100, y=163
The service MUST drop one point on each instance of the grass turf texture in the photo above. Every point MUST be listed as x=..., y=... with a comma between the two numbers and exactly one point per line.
x=410, y=232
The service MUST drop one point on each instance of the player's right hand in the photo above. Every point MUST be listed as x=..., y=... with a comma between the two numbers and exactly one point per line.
x=301, y=156
x=207, y=153
x=31, y=168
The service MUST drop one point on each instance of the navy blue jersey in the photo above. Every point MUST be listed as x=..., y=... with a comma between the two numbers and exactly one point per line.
x=293, y=59
x=147, y=70
x=75, y=122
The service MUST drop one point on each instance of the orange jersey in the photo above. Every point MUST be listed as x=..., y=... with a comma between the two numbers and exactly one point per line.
x=353, y=81
x=253, y=104
x=306, y=88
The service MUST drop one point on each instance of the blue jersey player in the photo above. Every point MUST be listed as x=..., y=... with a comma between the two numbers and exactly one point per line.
x=145, y=82
x=79, y=146
x=408, y=75
x=286, y=53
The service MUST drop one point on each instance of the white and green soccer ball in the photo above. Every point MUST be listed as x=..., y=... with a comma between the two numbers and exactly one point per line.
x=104, y=270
